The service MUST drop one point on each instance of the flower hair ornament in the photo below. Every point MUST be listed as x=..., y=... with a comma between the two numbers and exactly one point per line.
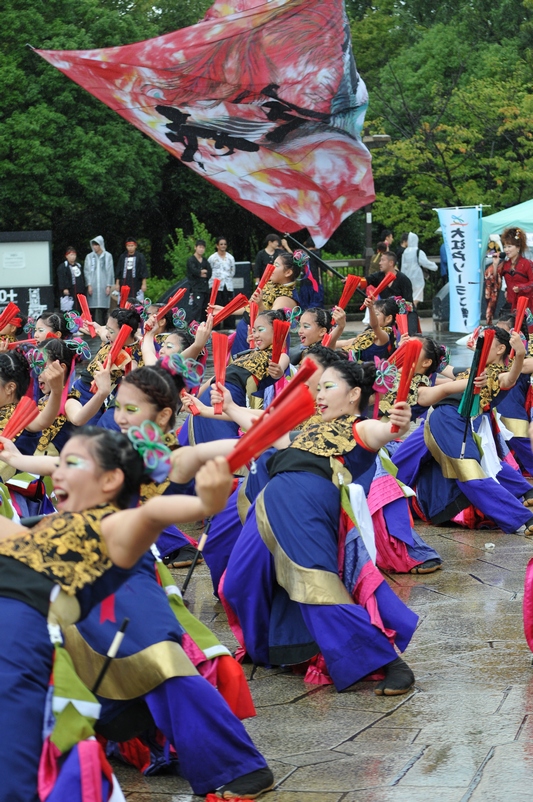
x=300, y=258
x=444, y=360
x=293, y=317
x=29, y=328
x=36, y=361
x=143, y=307
x=80, y=348
x=404, y=307
x=146, y=440
x=73, y=322
x=189, y=369
x=179, y=318
x=386, y=375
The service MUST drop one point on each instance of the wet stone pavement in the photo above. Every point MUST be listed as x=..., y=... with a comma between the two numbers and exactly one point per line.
x=464, y=733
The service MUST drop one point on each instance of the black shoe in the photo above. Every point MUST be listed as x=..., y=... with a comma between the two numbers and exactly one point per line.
x=427, y=567
x=183, y=557
x=398, y=679
x=249, y=786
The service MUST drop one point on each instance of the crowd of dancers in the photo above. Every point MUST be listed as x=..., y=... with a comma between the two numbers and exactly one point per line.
x=97, y=476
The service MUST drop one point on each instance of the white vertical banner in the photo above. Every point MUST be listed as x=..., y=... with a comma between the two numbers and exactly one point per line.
x=461, y=231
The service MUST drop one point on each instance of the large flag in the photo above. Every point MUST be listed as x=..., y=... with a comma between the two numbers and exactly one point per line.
x=264, y=101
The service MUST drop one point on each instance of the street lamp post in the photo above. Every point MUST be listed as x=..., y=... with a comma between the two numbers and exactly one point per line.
x=371, y=141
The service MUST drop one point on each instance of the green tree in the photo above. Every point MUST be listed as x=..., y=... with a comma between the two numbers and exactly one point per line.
x=182, y=246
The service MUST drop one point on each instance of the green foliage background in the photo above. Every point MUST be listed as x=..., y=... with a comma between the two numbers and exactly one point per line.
x=451, y=83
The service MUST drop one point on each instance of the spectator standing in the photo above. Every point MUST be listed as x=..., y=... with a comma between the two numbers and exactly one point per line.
x=413, y=260
x=70, y=281
x=374, y=265
x=400, y=287
x=198, y=275
x=131, y=270
x=515, y=269
x=99, y=276
x=387, y=237
x=222, y=267
x=403, y=246
x=272, y=247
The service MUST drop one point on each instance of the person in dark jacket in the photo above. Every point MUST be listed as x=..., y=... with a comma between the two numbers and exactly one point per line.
x=70, y=281
x=400, y=287
x=131, y=270
x=198, y=275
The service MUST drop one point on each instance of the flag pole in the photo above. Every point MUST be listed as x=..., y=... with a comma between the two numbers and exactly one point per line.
x=199, y=549
x=322, y=262
x=111, y=653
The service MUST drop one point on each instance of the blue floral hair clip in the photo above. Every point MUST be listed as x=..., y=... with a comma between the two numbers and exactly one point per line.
x=179, y=318
x=80, y=347
x=191, y=371
x=36, y=361
x=146, y=440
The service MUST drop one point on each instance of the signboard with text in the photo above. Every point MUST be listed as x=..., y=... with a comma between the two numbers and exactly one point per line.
x=461, y=231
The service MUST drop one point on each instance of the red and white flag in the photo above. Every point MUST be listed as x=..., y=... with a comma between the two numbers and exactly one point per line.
x=263, y=100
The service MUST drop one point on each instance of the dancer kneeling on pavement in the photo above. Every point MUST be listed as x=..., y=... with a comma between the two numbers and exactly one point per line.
x=86, y=551
x=282, y=590
x=447, y=481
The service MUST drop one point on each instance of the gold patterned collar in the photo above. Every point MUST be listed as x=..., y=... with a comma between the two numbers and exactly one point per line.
x=272, y=291
x=331, y=439
x=256, y=362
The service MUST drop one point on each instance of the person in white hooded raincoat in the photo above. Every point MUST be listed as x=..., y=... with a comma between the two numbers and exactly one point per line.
x=413, y=260
x=99, y=275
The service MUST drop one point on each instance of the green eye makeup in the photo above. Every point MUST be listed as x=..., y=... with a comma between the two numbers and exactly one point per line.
x=77, y=462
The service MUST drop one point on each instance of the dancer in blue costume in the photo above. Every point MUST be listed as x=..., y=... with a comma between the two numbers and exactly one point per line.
x=89, y=549
x=315, y=323
x=400, y=548
x=61, y=353
x=132, y=358
x=430, y=458
x=50, y=324
x=174, y=341
x=14, y=384
x=227, y=525
x=246, y=379
x=378, y=339
x=282, y=585
x=514, y=408
x=278, y=293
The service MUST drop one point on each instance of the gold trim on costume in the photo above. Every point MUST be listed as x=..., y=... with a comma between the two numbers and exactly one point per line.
x=190, y=430
x=305, y=585
x=465, y=470
x=243, y=503
x=518, y=427
x=128, y=677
